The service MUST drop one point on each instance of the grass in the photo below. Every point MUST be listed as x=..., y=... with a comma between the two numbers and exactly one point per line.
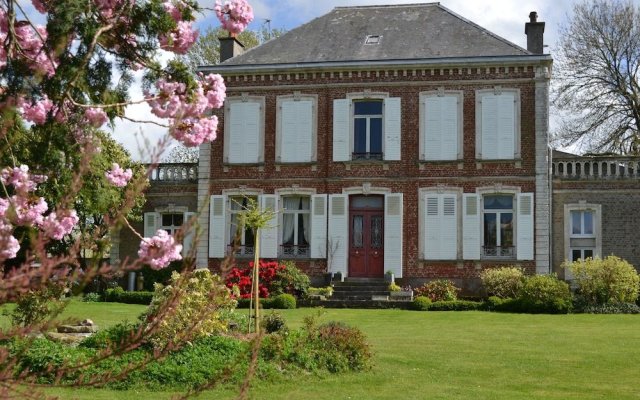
x=447, y=355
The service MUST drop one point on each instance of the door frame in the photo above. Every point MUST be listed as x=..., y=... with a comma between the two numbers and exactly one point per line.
x=366, y=238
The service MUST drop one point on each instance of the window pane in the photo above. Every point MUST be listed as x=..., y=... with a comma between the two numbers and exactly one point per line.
x=288, y=221
x=376, y=233
x=576, y=255
x=360, y=135
x=490, y=236
x=368, y=108
x=301, y=239
x=375, y=135
x=367, y=202
x=356, y=231
x=576, y=226
x=248, y=237
x=178, y=219
x=588, y=222
x=588, y=254
x=506, y=229
x=499, y=202
x=167, y=219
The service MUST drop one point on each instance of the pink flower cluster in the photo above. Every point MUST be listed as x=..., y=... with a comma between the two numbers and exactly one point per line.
x=183, y=36
x=186, y=109
x=234, y=15
x=96, y=116
x=109, y=8
x=159, y=250
x=25, y=209
x=40, y=5
x=37, y=111
x=117, y=176
x=31, y=42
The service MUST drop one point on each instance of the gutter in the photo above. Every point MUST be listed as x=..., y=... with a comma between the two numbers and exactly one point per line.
x=372, y=64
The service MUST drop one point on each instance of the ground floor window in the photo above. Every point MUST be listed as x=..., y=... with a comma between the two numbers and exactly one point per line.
x=295, y=228
x=498, y=226
x=582, y=233
x=242, y=239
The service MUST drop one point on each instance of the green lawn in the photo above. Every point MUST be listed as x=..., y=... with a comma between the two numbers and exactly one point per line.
x=449, y=355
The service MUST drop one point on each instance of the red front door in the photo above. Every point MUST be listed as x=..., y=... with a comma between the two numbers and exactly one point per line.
x=366, y=239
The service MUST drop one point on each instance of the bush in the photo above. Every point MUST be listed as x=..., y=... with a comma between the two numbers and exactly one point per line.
x=323, y=291
x=610, y=308
x=438, y=290
x=456, y=305
x=196, y=300
x=504, y=282
x=118, y=295
x=242, y=278
x=421, y=303
x=283, y=302
x=289, y=280
x=111, y=337
x=604, y=281
x=394, y=288
x=35, y=306
x=274, y=322
x=545, y=294
x=91, y=297
x=345, y=347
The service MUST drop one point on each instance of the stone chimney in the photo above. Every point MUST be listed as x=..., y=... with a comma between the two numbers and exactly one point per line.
x=535, y=34
x=230, y=47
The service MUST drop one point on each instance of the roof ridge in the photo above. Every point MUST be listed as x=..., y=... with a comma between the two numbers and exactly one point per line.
x=433, y=3
x=468, y=21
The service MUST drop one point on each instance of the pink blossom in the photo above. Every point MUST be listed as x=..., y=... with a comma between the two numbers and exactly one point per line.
x=4, y=206
x=96, y=116
x=159, y=250
x=109, y=8
x=31, y=43
x=193, y=133
x=40, y=5
x=215, y=89
x=55, y=226
x=20, y=179
x=118, y=177
x=38, y=111
x=180, y=39
x=174, y=8
x=9, y=246
x=234, y=15
x=29, y=211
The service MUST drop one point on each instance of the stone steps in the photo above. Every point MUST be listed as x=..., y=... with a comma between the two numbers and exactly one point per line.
x=359, y=289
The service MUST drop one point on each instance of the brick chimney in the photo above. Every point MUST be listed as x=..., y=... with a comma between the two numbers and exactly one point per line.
x=230, y=46
x=535, y=34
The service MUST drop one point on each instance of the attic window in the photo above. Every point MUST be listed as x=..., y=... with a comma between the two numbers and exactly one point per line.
x=373, y=39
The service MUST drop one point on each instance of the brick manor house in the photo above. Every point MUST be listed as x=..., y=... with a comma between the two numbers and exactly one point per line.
x=399, y=138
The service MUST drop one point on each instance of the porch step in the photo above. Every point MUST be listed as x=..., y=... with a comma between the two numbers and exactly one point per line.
x=365, y=304
x=359, y=289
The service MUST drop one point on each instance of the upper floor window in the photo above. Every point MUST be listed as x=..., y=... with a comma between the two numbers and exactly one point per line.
x=244, y=130
x=498, y=124
x=296, y=129
x=440, y=125
x=366, y=127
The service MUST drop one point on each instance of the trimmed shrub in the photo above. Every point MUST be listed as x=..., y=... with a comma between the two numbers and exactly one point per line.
x=196, y=300
x=610, y=308
x=545, y=294
x=322, y=291
x=503, y=282
x=283, y=302
x=456, y=305
x=119, y=295
x=289, y=280
x=92, y=297
x=264, y=303
x=421, y=303
x=438, y=290
x=274, y=322
x=604, y=281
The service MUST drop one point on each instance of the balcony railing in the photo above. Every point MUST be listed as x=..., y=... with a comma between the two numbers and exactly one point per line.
x=366, y=156
x=291, y=251
x=173, y=173
x=596, y=167
x=241, y=251
x=489, y=252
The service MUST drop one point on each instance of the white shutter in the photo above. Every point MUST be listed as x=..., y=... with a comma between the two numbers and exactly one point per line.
x=489, y=123
x=150, y=224
x=235, y=136
x=392, y=128
x=432, y=128
x=217, y=226
x=319, y=226
x=251, y=132
x=269, y=234
x=187, y=241
x=449, y=228
x=341, y=125
x=338, y=241
x=393, y=233
x=470, y=227
x=506, y=126
x=296, y=131
x=524, y=223
x=449, y=128
x=431, y=245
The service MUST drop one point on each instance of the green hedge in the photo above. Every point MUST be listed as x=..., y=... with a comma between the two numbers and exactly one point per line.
x=280, y=302
x=118, y=295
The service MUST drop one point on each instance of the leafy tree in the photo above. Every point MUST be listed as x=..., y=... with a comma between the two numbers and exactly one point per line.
x=597, y=82
x=182, y=154
x=206, y=50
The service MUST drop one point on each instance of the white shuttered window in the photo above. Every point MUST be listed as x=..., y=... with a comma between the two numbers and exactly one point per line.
x=441, y=127
x=338, y=236
x=525, y=225
x=243, y=132
x=440, y=237
x=296, y=127
x=498, y=124
x=393, y=233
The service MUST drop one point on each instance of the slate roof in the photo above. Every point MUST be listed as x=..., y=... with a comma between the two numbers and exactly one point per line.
x=407, y=32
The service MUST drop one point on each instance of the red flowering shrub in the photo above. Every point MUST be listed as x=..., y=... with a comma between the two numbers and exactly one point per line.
x=241, y=277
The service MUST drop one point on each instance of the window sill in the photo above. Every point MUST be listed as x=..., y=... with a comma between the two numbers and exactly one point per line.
x=423, y=164
x=517, y=162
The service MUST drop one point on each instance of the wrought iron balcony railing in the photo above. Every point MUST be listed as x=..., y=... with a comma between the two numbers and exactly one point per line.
x=498, y=252
x=293, y=251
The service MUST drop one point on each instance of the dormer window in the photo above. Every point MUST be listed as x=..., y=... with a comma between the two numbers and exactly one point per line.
x=373, y=39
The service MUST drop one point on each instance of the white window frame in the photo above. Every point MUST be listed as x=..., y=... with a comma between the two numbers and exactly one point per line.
x=227, y=127
x=290, y=192
x=459, y=94
x=362, y=96
x=480, y=95
x=568, y=229
x=314, y=125
x=449, y=190
x=228, y=195
x=504, y=191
